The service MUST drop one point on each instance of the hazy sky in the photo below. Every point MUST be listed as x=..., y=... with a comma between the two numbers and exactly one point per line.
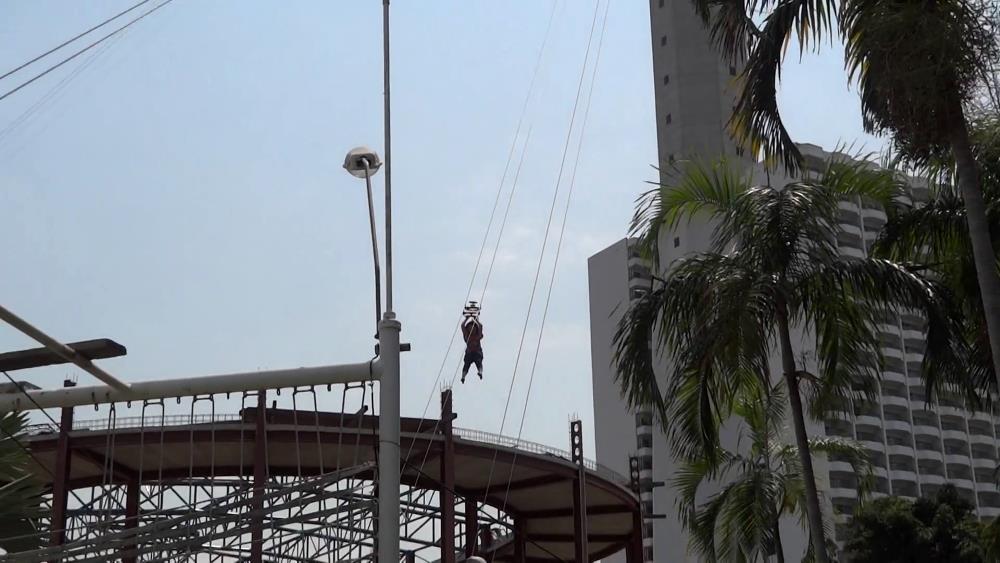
x=182, y=190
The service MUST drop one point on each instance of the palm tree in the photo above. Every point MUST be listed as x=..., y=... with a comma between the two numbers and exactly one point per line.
x=773, y=269
x=20, y=493
x=934, y=233
x=740, y=522
x=918, y=64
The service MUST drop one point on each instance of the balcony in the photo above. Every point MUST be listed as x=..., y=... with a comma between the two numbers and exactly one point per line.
x=841, y=466
x=988, y=512
x=961, y=483
x=892, y=352
x=865, y=419
x=980, y=439
x=852, y=252
x=896, y=401
x=895, y=449
x=984, y=463
x=844, y=493
x=894, y=375
x=960, y=435
x=986, y=487
x=931, y=479
x=897, y=425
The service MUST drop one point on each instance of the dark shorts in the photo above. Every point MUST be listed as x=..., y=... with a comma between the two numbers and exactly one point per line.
x=473, y=357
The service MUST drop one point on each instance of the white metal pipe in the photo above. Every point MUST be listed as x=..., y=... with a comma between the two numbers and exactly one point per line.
x=388, y=441
x=192, y=386
x=388, y=157
x=60, y=349
x=371, y=221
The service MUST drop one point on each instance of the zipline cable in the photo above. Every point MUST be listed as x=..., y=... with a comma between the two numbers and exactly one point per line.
x=72, y=39
x=562, y=232
x=510, y=157
x=82, y=51
x=545, y=237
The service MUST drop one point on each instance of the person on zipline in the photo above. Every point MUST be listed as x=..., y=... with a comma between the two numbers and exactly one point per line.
x=472, y=333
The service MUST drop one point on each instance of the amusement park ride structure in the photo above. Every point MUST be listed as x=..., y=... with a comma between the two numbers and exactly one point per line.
x=176, y=479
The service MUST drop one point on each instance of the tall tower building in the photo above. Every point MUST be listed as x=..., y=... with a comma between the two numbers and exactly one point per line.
x=915, y=446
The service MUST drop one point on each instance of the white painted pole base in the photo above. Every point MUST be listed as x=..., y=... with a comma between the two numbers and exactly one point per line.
x=388, y=441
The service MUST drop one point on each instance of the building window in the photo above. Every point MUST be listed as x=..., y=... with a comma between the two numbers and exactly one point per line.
x=666, y=79
x=663, y=41
x=645, y=441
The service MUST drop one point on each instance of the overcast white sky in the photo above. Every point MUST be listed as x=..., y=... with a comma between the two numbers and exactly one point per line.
x=181, y=192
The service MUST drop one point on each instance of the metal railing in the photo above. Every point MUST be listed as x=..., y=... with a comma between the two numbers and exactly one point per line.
x=535, y=447
x=463, y=433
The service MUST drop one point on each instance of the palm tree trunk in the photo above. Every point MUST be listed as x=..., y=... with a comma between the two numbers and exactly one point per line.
x=779, y=551
x=813, y=513
x=979, y=231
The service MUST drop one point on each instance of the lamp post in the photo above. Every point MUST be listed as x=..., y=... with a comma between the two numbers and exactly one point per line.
x=362, y=162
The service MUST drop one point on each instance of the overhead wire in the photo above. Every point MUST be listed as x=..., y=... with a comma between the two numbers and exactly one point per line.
x=510, y=157
x=82, y=51
x=72, y=39
x=54, y=92
x=545, y=236
x=562, y=232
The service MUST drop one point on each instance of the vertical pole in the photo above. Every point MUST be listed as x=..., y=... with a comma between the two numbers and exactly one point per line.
x=130, y=553
x=520, y=541
x=259, y=480
x=60, y=480
x=388, y=441
x=447, y=495
x=633, y=553
x=388, y=158
x=471, y=526
x=580, y=547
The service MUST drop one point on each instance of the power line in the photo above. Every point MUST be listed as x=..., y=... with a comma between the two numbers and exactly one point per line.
x=72, y=39
x=82, y=51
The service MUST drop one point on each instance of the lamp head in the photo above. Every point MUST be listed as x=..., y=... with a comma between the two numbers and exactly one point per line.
x=355, y=161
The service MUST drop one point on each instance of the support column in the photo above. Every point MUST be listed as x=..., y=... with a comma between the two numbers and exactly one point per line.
x=60, y=479
x=259, y=480
x=581, y=550
x=447, y=489
x=130, y=552
x=520, y=541
x=471, y=526
x=633, y=552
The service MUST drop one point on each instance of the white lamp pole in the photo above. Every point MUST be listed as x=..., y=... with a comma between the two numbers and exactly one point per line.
x=389, y=329
x=362, y=163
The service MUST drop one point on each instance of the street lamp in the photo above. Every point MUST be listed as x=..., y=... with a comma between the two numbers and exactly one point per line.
x=362, y=162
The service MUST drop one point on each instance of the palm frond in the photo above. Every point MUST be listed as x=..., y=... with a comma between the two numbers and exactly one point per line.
x=756, y=123
x=695, y=188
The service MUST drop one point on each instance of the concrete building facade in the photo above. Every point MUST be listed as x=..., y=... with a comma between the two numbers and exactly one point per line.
x=915, y=446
